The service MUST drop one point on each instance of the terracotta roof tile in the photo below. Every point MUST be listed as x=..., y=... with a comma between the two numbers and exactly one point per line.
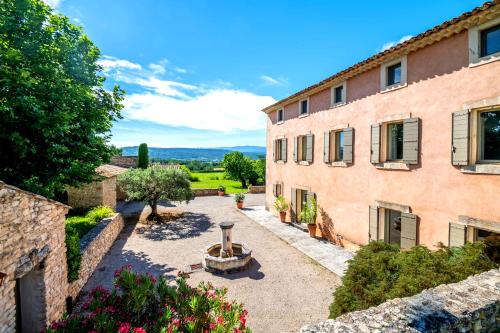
x=108, y=170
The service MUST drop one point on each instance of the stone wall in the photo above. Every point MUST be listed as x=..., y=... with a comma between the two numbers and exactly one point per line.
x=203, y=192
x=472, y=305
x=256, y=189
x=124, y=161
x=94, y=246
x=98, y=193
x=32, y=245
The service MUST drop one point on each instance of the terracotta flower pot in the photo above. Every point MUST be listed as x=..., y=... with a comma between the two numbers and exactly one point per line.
x=221, y=193
x=312, y=229
x=283, y=217
x=239, y=204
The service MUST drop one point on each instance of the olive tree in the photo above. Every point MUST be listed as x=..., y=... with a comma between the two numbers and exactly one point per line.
x=154, y=184
x=239, y=167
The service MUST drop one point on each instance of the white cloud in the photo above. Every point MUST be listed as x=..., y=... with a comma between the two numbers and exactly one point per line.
x=180, y=70
x=109, y=63
x=53, y=3
x=272, y=81
x=157, y=68
x=388, y=45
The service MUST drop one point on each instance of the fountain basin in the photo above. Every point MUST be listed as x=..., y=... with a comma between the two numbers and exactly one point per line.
x=214, y=262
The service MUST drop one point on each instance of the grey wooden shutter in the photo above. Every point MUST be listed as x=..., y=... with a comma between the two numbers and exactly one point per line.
x=326, y=147
x=274, y=150
x=283, y=149
x=274, y=190
x=295, y=148
x=460, y=138
x=348, y=144
x=458, y=234
x=309, y=147
x=293, y=205
x=411, y=135
x=279, y=189
x=373, y=224
x=409, y=229
x=375, y=144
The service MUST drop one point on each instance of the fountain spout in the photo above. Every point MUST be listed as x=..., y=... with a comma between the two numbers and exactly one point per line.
x=226, y=249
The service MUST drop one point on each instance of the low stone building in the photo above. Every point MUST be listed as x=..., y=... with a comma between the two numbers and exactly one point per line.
x=33, y=258
x=102, y=192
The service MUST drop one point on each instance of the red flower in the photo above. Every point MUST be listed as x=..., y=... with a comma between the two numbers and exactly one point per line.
x=124, y=328
x=139, y=330
x=220, y=320
x=213, y=326
x=243, y=320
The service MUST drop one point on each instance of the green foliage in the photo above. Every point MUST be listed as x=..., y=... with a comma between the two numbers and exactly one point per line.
x=381, y=271
x=214, y=180
x=239, y=167
x=221, y=188
x=143, y=159
x=280, y=204
x=140, y=303
x=259, y=167
x=115, y=151
x=192, y=178
x=156, y=183
x=239, y=197
x=55, y=113
x=309, y=211
x=77, y=227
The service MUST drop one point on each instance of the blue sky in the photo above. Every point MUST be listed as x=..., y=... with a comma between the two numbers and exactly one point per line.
x=197, y=73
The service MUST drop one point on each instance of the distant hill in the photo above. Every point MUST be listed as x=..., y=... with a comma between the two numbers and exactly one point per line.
x=205, y=154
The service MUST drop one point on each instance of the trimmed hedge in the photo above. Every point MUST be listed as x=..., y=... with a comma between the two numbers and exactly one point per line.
x=381, y=271
x=77, y=227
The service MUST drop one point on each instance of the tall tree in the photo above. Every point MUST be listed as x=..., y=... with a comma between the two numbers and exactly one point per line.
x=143, y=159
x=55, y=113
x=238, y=167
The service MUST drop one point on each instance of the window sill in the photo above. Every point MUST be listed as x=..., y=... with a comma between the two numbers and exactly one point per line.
x=393, y=166
x=280, y=162
x=339, y=164
x=393, y=87
x=280, y=122
x=486, y=169
x=336, y=105
x=485, y=60
x=303, y=163
x=304, y=115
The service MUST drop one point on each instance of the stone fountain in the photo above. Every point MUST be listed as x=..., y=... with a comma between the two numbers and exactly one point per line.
x=226, y=256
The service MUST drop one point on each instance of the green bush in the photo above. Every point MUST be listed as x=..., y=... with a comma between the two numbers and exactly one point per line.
x=191, y=177
x=143, y=158
x=381, y=271
x=77, y=227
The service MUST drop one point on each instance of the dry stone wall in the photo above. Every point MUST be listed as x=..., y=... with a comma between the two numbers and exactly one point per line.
x=32, y=242
x=472, y=305
x=256, y=189
x=98, y=193
x=94, y=247
x=203, y=192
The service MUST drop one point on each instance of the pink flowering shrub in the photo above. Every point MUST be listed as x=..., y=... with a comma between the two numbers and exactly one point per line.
x=142, y=304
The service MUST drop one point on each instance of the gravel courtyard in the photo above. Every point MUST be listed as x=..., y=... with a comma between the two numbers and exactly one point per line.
x=283, y=289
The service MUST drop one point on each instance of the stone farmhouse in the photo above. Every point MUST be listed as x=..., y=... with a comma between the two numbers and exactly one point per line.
x=402, y=147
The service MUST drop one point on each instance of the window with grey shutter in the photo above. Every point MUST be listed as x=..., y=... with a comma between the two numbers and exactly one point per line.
x=409, y=229
x=348, y=144
x=457, y=235
x=326, y=147
x=274, y=190
x=295, y=148
x=309, y=147
x=375, y=144
x=411, y=135
x=283, y=149
x=293, y=205
x=373, y=224
x=460, y=138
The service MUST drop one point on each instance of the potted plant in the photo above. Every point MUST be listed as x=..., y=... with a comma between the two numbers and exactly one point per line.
x=281, y=206
x=239, y=197
x=308, y=215
x=221, y=191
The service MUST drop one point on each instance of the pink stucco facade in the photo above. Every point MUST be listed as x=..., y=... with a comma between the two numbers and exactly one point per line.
x=440, y=81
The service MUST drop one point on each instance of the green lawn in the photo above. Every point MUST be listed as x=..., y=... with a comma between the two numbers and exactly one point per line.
x=214, y=179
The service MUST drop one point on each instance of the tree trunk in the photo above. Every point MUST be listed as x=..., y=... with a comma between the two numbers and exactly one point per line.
x=154, y=209
x=243, y=183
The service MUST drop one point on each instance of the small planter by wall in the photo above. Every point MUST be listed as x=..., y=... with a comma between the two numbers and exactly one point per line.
x=239, y=204
x=312, y=229
x=283, y=217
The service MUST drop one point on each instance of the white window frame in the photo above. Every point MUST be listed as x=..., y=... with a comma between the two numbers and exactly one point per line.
x=479, y=135
x=383, y=75
x=300, y=108
x=278, y=121
x=475, y=44
x=344, y=94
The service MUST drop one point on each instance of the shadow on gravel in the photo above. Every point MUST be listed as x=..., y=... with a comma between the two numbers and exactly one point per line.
x=252, y=272
x=189, y=226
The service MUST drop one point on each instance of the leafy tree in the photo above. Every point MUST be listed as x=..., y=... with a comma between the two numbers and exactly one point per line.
x=259, y=167
x=55, y=113
x=115, y=151
x=143, y=160
x=238, y=167
x=154, y=184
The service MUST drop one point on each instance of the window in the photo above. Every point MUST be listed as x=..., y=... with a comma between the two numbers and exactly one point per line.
x=490, y=41
x=393, y=224
x=395, y=141
x=278, y=189
x=279, y=152
x=394, y=74
x=304, y=107
x=303, y=148
x=280, y=116
x=338, y=94
x=298, y=202
x=481, y=234
x=339, y=146
x=489, y=136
